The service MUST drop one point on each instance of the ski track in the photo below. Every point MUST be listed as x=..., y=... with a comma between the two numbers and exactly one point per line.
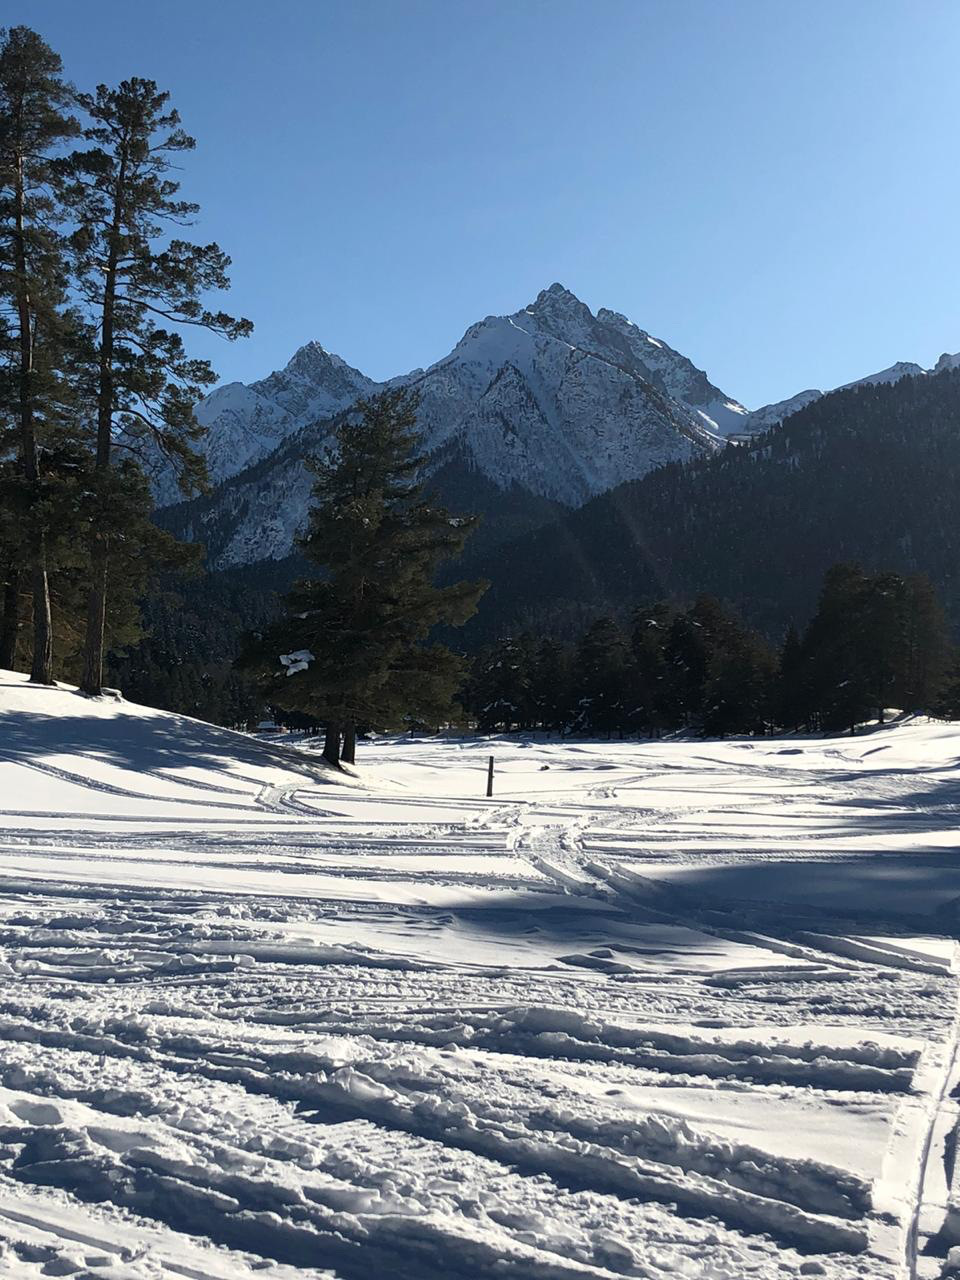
x=685, y=1009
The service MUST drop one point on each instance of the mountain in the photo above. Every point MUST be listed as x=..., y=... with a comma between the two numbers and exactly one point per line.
x=762, y=419
x=553, y=405
x=245, y=423
x=866, y=473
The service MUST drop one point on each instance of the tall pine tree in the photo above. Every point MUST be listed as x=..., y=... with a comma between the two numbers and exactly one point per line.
x=141, y=285
x=35, y=121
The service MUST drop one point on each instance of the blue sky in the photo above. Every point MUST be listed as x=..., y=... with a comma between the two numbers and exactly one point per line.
x=771, y=187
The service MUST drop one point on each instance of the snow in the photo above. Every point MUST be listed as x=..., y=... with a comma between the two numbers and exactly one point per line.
x=674, y=1008
x=772, y=414
x=558, y=400
x=297, y=661
x=246, y=423
x=902, y=369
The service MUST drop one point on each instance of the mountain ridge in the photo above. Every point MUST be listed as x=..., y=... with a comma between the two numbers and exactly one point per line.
x=554, y=400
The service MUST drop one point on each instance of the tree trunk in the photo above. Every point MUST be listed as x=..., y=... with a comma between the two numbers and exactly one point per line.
x=349, y=753
x=41, y=670
x=10, y=629
x=92, y=679
x=331, y=745
x=93, y=645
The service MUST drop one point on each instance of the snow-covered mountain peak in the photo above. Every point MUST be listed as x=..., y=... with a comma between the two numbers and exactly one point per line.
x=556, y=291
x=315, y=362
x=902, y=369
x=559, y=304
x=314, y=384
x=558, y=314
x=310, y=356
x=246, y=422
x=553, y=401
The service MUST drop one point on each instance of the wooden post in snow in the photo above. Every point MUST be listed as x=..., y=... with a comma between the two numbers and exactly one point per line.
x=490, y=776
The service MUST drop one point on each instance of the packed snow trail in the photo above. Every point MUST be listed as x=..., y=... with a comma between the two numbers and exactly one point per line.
x=659, y=1009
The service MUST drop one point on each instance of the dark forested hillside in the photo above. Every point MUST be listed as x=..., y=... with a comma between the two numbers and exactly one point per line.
x=869, y=474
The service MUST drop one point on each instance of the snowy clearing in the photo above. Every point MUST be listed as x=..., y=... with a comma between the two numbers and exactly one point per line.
x=683, y=1009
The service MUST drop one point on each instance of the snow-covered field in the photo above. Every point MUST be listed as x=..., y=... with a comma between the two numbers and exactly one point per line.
x=682, y=1009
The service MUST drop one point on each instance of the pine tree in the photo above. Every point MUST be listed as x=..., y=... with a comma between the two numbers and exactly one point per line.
x=739, y=691
x=876, y=640
x=792, y=699
x=651, y=688
x=351, y=651
x=10, y=623
x=948, y=700
x=833, y=648
x=880, y=632
x=550, y=685
x=601, y=671
x=926, y=651
x=691, y=641
x=34, y=122
x=141, y=288
x=503, y=694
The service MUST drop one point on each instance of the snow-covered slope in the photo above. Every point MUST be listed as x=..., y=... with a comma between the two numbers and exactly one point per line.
x=771, y=414
x=555, y=400
x=564, y=402
x=245, y=423
x=656, y=1009
x=902, y=369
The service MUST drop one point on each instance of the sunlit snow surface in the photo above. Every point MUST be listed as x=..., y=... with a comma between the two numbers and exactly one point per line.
x=677, y=1009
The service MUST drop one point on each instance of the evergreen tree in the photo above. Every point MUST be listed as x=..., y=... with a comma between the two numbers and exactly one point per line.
x=34, y=122
x=739, y=690
x=550, y=686
x=502, y=693
x=351, y=650
x=877, y=640
x=650, y=630
x=834, y=651
x=691, y=642
x=136, y=282
x=792, y=701
x=948, y=700
x=926, y=648
x=600, y=674
x=879, y=630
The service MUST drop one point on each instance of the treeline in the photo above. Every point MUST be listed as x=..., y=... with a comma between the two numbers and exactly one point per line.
x=876, y=641
x=97, y=387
